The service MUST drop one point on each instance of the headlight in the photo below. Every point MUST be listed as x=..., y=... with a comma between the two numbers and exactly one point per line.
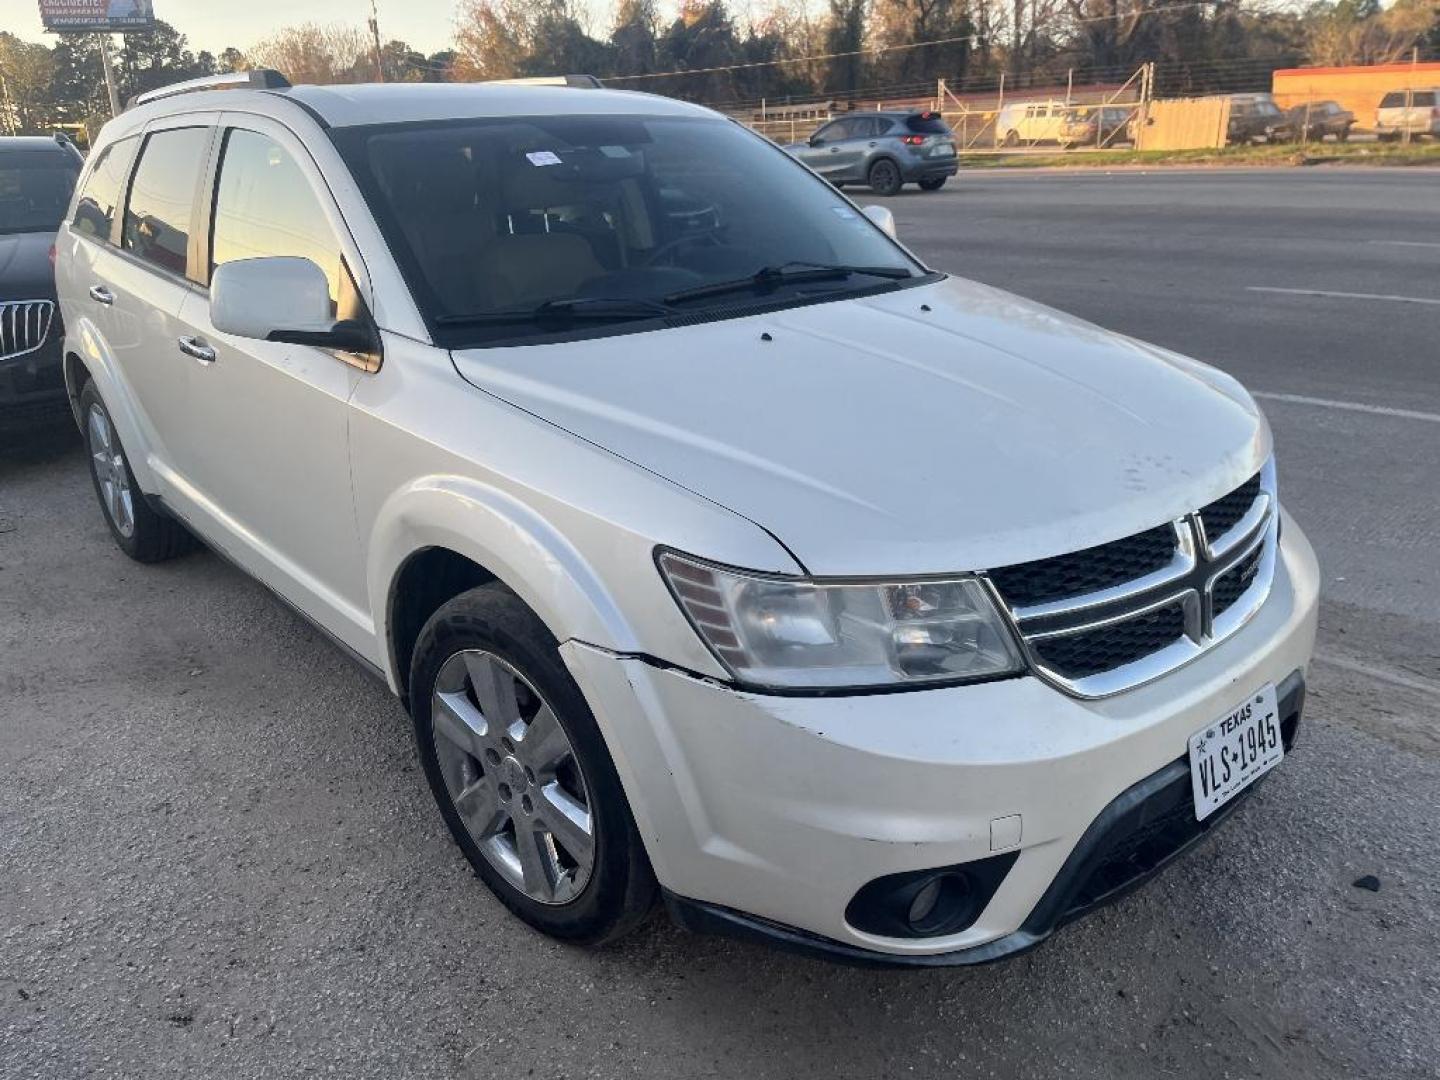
x=792, y=633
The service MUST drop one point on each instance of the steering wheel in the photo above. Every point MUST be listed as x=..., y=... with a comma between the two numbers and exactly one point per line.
x=672, y=245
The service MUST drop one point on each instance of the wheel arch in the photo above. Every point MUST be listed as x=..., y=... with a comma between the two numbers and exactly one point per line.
x=443, y=535
x=86, y=355
x=885, y=155
x=75, y=373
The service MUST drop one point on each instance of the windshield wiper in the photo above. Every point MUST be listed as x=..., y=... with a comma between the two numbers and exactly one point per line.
x=602, y=308
x=767, y=277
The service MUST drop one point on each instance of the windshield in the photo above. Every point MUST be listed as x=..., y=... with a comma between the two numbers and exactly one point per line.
x=34, y=190
x=499, y=217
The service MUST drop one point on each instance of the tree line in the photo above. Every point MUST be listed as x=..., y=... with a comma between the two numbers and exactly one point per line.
x=704, y=50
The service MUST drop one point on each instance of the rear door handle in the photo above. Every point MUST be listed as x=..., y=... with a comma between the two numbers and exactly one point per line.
x=101, y=295
x=193, y=346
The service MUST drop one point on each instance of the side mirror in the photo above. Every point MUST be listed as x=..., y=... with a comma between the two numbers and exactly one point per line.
x=882, y=217
x=280, y=298
x=815, y=140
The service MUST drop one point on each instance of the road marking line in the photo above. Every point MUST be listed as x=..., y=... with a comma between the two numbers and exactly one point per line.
x=1385, y=675
x=1345, y=295
x=1349, y=406
x=1407, y=243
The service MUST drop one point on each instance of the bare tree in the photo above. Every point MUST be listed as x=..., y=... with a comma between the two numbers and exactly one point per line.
x=312, y=53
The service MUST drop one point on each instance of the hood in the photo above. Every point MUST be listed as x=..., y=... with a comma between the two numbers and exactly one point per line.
x=25, y=270
x=873, y=436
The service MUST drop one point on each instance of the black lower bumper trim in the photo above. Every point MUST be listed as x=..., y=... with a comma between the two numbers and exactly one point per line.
x=1143, y=830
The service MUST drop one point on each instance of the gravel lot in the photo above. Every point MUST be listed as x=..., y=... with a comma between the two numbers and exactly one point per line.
x=218, y=857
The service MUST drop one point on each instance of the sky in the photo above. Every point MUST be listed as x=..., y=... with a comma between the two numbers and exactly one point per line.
x=213, y=24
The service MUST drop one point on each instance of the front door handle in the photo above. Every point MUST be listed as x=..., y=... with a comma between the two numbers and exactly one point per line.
x=101, y=295
x=193, y=346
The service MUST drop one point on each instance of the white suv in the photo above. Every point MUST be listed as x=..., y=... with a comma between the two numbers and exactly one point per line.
x=720, y=550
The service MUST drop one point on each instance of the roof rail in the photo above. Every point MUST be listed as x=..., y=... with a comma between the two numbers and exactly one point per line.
x=256, y=79
x=586, y=82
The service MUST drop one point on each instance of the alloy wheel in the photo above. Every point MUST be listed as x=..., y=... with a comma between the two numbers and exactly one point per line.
x=111, y=474
x=884, y=178
x=513, y=777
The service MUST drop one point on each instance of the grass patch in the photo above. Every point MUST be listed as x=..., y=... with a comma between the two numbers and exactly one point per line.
x=1418, y=153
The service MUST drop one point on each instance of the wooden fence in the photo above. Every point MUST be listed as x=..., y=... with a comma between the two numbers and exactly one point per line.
x=1184, y=124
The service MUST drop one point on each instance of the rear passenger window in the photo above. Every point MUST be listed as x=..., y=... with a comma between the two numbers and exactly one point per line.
x=100, y=197
x=162, y=197
x=1424, y=98
x=265, y=206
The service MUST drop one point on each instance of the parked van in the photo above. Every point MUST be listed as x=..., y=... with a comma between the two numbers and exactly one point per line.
x=1415, y=111
x=1031, y=122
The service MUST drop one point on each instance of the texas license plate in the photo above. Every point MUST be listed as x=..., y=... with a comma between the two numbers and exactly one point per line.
x=944, y=149
x=1230, y=754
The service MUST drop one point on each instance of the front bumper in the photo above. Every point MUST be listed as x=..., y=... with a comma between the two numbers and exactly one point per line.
x=767, y=814
x=32, y=385
x=1143, y=830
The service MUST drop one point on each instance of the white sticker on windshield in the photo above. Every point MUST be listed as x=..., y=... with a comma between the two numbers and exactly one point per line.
x=543, y=157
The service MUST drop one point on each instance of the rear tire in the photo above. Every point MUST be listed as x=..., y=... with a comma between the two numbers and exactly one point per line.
x=884, y=178
x=140, y=531
x=934, y=183
x=582, y=877
x=1012, y=138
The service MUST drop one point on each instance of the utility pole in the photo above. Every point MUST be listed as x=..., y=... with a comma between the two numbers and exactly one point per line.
x=375, y=34
x=1410, y=91
x=104, y=40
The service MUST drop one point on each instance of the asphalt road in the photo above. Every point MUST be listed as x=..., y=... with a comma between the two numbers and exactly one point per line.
x=217, y=856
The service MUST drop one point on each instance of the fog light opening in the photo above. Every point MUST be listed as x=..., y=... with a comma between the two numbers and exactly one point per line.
x=941, y=902
x=935, y=902
x=923, y=906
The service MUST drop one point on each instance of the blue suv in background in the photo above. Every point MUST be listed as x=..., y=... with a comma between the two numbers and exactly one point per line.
x=885, y=150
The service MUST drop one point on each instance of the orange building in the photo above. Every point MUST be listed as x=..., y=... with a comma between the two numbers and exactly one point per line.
x=1358, y=89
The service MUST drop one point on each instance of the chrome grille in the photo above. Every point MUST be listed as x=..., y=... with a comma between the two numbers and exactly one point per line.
x=1108, y=618
x=23, y=326
x=1225, y=513
x=1087, y=571
x=1091, y=652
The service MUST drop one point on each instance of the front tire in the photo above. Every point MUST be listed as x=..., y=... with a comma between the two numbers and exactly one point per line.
x=521, y=773
x=139, y=530
x=884, y=178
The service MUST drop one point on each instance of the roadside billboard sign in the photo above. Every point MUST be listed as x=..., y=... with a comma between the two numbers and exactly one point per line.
x=97, y=16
